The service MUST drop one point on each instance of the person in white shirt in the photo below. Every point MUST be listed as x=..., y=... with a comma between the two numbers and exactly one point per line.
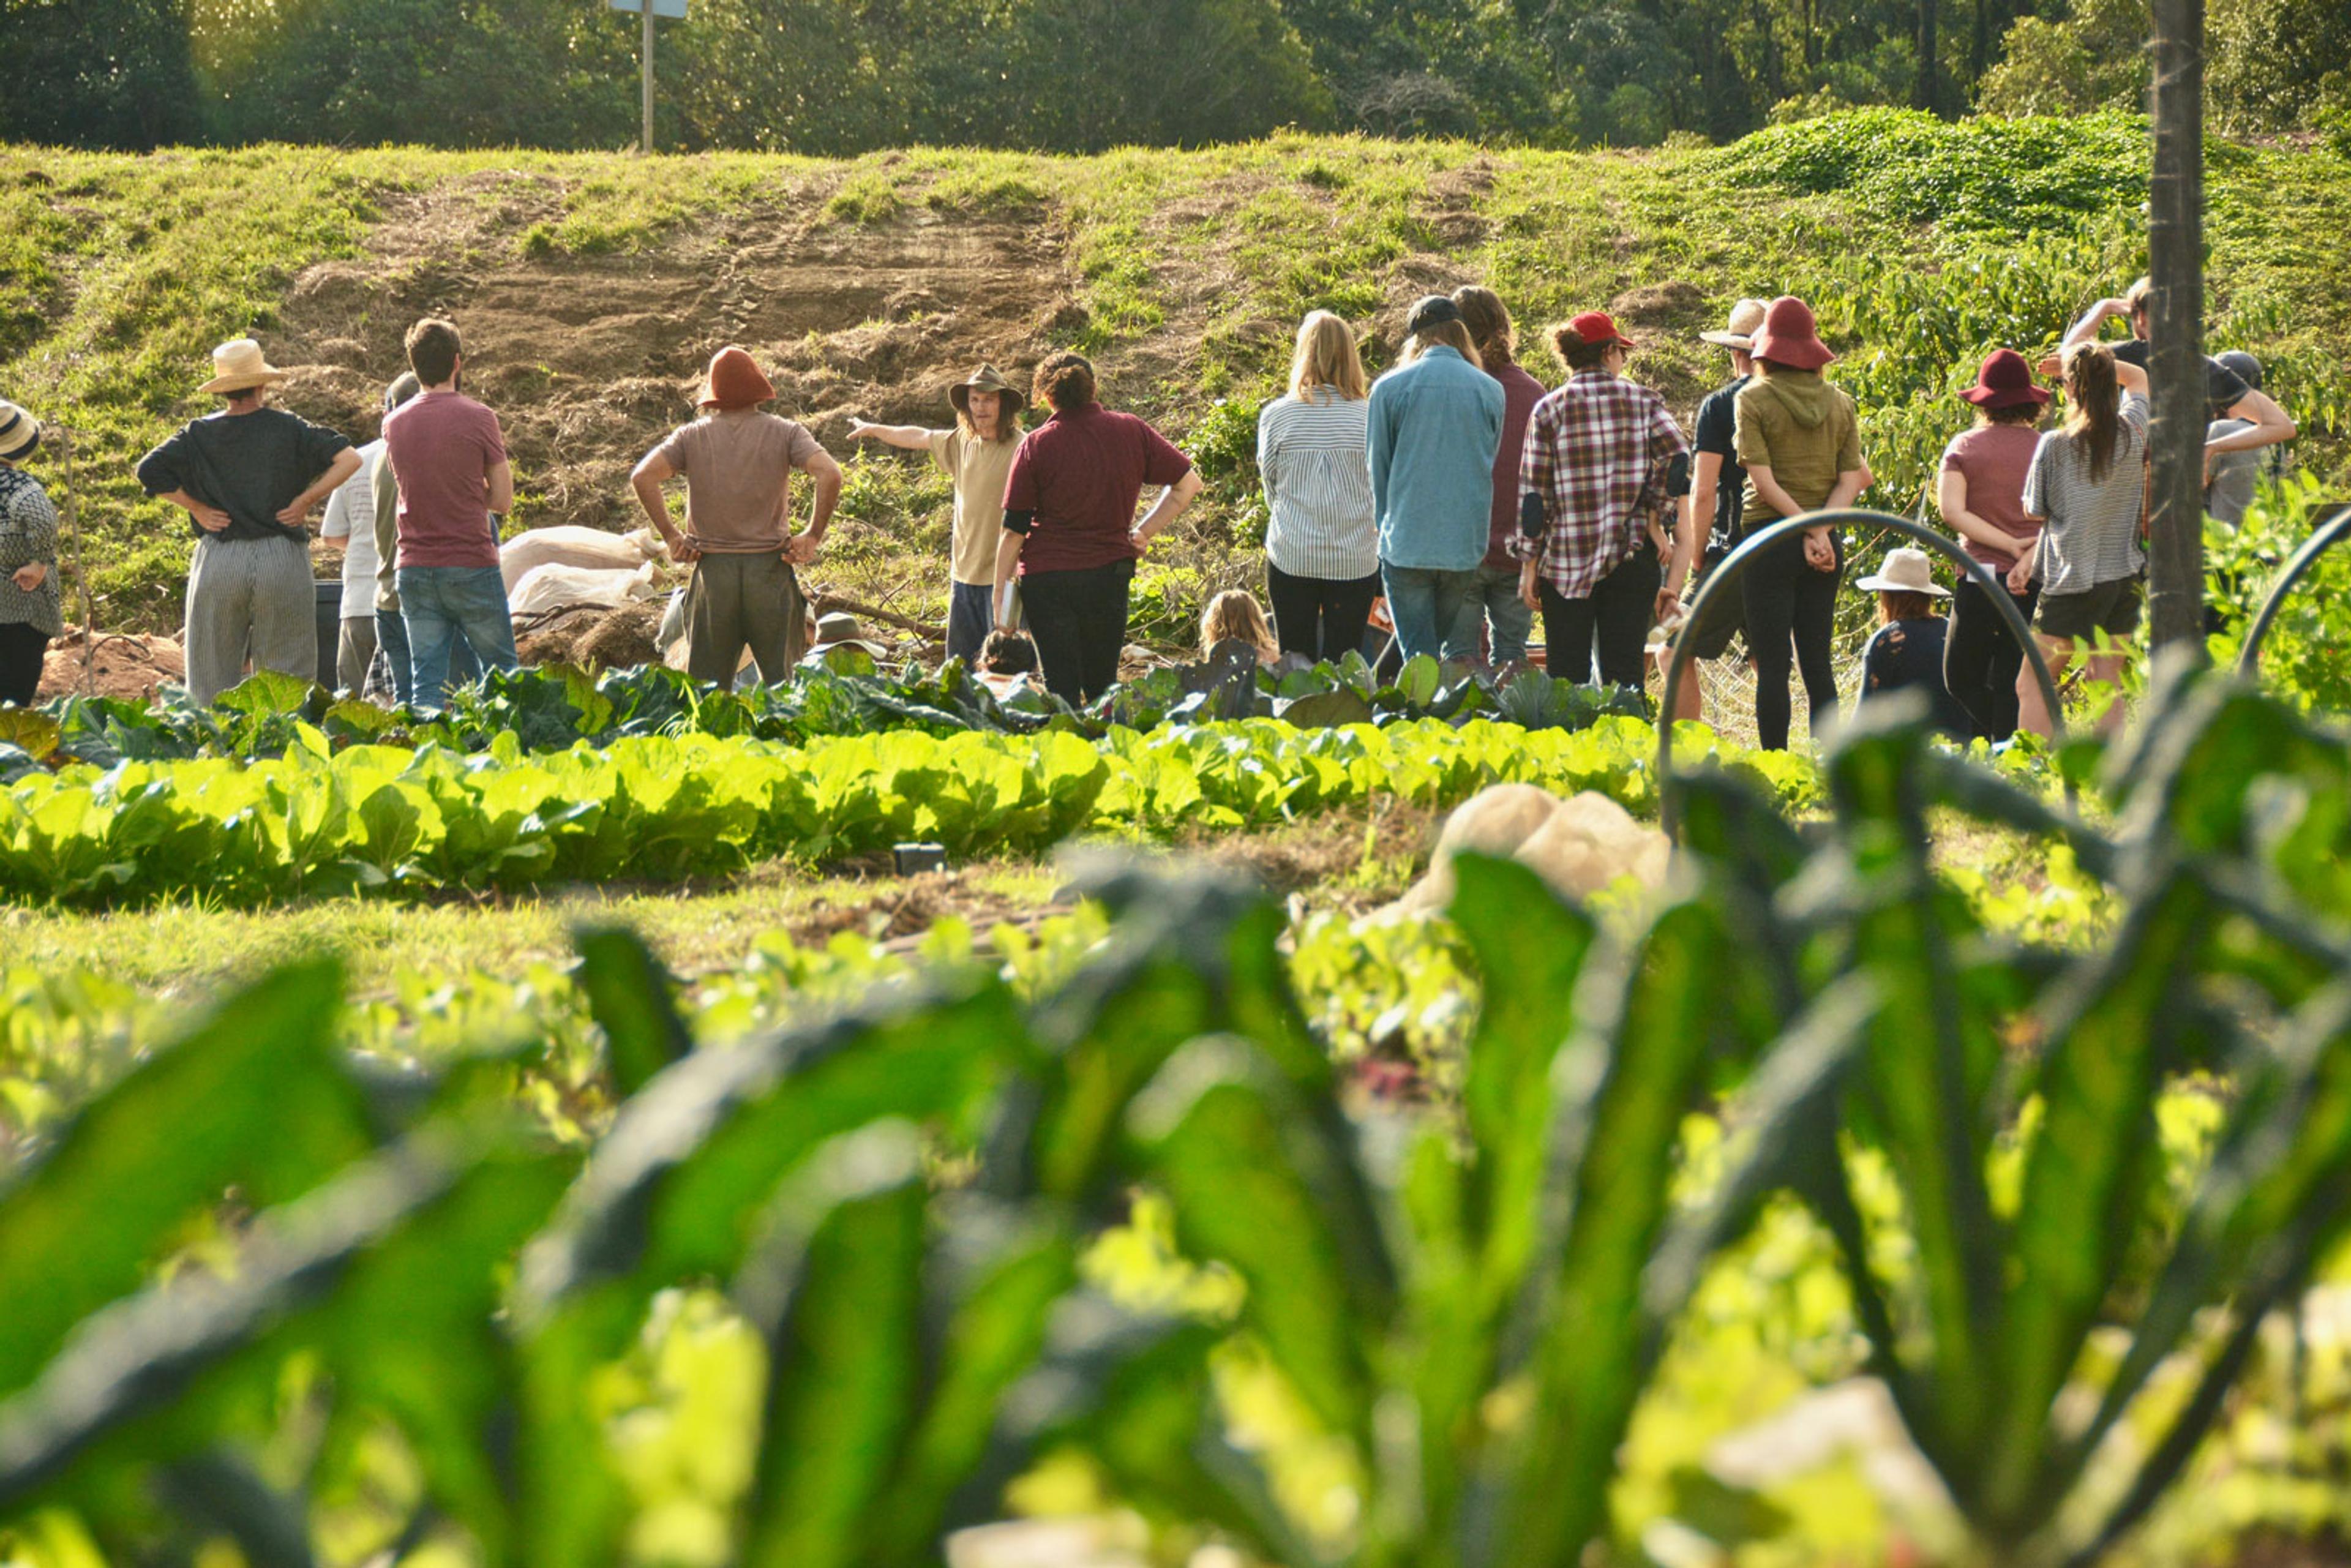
x=350, y=518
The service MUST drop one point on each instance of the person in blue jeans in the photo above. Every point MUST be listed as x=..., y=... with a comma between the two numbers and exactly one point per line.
x=448, y=458
x=1436, y=424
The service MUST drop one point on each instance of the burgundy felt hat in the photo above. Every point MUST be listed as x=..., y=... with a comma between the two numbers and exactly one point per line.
x=735, y=381
x=1790, y=337
x=2005, y=381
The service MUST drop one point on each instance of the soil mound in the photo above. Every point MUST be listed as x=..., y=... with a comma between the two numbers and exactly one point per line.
x=595, y=638
x=591, y=359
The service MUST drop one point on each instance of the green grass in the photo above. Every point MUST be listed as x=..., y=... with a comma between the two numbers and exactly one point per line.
x=1185, y=271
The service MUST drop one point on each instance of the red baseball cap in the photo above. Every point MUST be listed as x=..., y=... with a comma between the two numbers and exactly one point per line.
x=1597, y=326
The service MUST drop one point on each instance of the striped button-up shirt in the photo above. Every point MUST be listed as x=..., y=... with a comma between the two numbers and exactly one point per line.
x=1597, y=456
x=1318, y=486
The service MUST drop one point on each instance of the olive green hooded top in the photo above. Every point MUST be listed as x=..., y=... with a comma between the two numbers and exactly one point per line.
x=1804, y=430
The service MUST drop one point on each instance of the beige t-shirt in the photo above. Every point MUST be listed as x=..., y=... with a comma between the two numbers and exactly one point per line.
x=980, y=469
x=739, y=465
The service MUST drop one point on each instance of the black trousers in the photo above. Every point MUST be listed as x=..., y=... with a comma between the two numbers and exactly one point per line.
x=1790, y=619
x=1617, y=613
x=21, y=647
x=1077, y=620
x=1320, y=617
x=1981, y=658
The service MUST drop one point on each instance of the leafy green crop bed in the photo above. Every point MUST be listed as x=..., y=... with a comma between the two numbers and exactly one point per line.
x=371, y=817
x=1103, y=1223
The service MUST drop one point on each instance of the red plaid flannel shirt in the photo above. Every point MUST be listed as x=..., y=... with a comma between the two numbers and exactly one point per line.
x=1597, y=452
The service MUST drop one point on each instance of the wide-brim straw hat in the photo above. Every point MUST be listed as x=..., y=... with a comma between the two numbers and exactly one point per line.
x=2005, y=381
x=1745, y=316
x=239, y=365
x=1791, y=336
x=19, y=432
x=985, y=379
x=734, y=381
x=1906, y=570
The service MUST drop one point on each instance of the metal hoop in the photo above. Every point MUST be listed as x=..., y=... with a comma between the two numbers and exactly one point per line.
x=2328, y=534
x=1725, y=575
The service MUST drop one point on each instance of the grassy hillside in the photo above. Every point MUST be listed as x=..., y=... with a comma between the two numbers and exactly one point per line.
x=592, y=287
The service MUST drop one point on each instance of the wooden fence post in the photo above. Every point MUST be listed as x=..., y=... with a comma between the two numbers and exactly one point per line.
x=2176, y=325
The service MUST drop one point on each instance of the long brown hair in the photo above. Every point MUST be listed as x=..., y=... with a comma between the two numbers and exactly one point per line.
x=1452, y=334
x=1489, y=320
x=1326, y=357
x=2092, y=415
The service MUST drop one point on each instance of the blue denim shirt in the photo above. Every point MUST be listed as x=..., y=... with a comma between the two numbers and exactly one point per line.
x=1435, y=426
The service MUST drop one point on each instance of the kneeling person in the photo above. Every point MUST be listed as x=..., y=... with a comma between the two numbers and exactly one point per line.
x=738, y=461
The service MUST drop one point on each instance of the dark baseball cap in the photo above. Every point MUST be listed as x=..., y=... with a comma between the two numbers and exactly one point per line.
x=1431, y=310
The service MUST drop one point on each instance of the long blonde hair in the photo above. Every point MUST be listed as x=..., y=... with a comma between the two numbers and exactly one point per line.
x=1235, y=614
x=1452, y=334
x=1326, y=357
x=2092, y=415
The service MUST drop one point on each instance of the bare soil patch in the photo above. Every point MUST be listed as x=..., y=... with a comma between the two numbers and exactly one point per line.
x=590, y=360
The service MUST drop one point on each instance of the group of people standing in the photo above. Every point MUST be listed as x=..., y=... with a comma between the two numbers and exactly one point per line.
x=1471, y=498
x=1456, y=488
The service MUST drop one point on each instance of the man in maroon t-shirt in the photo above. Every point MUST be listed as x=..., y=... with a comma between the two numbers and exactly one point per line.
x=449, y=458
x=1069, y=528
x=1493, y=605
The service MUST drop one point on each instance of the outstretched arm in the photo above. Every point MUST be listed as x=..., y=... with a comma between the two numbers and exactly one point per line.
x=910, y=437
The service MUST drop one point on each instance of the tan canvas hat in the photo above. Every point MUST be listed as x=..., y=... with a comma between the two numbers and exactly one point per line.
x=1906, y=570
x=842, y=631
x=19, y=432
x=238, y=365
x=1745, y=316
x=985, y=379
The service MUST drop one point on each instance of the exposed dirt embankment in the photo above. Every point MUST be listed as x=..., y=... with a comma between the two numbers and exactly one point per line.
x=590, y=360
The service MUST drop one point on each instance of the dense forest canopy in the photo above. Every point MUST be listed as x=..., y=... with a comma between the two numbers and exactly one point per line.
x=846, y=76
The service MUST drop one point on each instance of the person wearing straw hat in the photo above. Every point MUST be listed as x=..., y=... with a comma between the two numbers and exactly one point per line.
x=1799, y=438
x=1716, y=482
x=29, y=611
x=738, y=461
x=1980, y=494
x=977, y=457
x=248, y=477
x=1905, y=652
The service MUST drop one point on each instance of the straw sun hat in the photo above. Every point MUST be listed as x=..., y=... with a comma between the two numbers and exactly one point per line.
x=238, y=365
x=19, y=432
x=1739, y=333
x=1906, y=570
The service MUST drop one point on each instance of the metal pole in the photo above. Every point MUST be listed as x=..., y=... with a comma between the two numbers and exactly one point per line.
x=1724, y=579
x=645, y=142
x=2176, y=265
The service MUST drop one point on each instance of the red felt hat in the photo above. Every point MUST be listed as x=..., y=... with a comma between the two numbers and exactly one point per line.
x=735, y=381
x=1790, y=337
x=1597, y=326
x=2004, y=380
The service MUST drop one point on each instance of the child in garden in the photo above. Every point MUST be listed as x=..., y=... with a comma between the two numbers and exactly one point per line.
x=1235, y=615
x=1906, y=653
